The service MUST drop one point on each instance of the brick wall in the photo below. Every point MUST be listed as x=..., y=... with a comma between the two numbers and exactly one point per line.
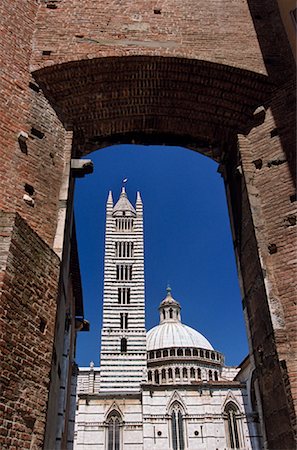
x=29, y=275
x=40, y=162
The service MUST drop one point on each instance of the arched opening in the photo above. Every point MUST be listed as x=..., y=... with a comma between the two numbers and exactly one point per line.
x=213, y=130
x=123, y=345
x=231, y=414
x=113, y=434
x=177, y=427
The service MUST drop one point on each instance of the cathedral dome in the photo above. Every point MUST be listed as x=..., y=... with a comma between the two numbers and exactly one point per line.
x=175, y=334
x=171, y=332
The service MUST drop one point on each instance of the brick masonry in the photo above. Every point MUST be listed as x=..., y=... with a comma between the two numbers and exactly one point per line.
x=214, y=76
x=29, y=274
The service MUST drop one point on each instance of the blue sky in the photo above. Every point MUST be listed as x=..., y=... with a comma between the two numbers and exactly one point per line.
x=188, y=242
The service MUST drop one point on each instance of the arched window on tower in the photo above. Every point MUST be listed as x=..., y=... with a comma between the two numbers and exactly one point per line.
x=113, y=435
x=177, y=428
x=231, y=416
x=123, y=345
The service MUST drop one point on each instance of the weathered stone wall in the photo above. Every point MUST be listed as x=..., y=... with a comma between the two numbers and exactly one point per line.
x=29, y=275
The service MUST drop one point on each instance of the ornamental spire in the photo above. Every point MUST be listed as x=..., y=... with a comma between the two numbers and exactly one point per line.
x=169, y=308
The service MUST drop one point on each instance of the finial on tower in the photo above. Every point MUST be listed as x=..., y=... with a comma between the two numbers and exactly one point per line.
x=168, y=289
x=124, y=181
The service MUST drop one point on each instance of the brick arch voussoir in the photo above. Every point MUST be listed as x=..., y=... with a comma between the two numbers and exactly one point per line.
x=147, y=95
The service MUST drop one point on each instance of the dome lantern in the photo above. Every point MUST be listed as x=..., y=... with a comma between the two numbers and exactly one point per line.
x=169, y=309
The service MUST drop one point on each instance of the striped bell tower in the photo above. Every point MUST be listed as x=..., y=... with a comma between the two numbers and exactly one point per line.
x=123, y=338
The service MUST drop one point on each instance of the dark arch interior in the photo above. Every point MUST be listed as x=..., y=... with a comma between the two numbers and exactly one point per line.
x=148, y=100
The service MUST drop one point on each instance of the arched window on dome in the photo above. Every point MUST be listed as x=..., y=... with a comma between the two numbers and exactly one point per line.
x=192, y=373
x=216, y=375
x=201, y=353
x=170, y=374
x=185, y=373
x=151, y=355
x=114, y=423
x=149, y=375
x=164, y=314
x=232, y=424
x=165, y=353
x=172, y=352
x=210, y=375
x=195, y=352
x=157, y=380
x=177, y=427
x=158, y=354
x=199, y=374
x=213, y=356
x=170, y=313
x=188, y=352
x=163, y=374
x=177, y=372
x=180, y=352
x=207, y=354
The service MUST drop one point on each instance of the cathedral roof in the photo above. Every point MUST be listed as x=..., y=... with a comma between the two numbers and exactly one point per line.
x=123, y=205
x=171, y=332
x=175, y=334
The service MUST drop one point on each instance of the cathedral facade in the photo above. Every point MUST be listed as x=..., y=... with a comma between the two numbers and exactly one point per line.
x=164, y=389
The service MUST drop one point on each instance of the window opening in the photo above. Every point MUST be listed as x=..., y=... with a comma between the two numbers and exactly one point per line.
x=123, y=345
x=233, y=435
x=123, y=321
x=124, y=272
x=114, y=431
x=177, y=428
